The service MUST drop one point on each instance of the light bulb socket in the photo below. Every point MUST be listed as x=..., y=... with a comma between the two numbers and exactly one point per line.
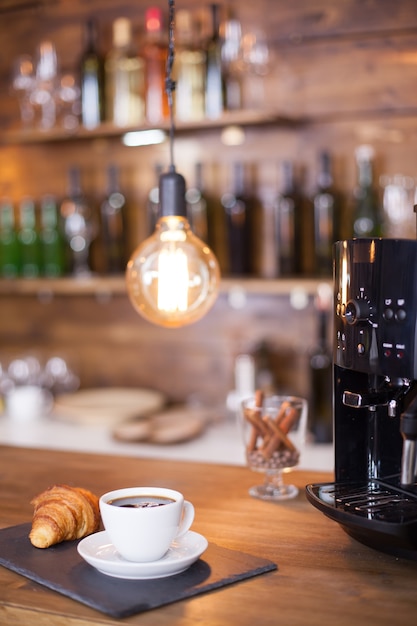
x=172, y=194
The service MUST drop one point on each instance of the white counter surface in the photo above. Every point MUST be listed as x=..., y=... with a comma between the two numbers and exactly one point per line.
x=219, y=443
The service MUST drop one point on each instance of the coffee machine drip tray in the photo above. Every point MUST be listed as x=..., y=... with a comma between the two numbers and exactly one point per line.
x=376, y=513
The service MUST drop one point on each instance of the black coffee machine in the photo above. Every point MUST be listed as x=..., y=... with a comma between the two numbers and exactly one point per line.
x=374, y=496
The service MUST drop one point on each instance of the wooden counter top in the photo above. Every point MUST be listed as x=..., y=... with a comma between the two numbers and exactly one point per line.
x=324, y=576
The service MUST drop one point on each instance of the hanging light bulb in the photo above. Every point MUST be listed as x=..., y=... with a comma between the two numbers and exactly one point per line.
x=172, y=277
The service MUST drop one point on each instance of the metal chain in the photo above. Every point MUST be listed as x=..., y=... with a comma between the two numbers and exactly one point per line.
x=169, y=82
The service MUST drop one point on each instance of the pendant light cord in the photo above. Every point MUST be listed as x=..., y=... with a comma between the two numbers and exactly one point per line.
x=169, y=82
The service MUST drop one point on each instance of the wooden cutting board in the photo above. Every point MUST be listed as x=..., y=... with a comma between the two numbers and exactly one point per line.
x=107, y=406
x=172, y=425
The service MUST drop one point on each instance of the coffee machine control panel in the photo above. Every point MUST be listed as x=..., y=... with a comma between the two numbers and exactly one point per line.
x=376, y=306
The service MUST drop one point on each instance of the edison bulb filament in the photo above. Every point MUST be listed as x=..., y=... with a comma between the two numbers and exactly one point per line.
x=173, y=277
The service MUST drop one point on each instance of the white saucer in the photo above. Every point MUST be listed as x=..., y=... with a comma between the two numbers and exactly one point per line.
x=99, y=552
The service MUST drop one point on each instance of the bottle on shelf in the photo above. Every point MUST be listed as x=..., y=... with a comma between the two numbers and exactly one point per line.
x=231, y=62
x=264, y=369
x=206, y=215
x=92, y=80
x=29, y=241
x=113, y=224
x=189, y=70
x=53, y=247
x=9, y=243
x=321, y=371
x=367, y=218
x=155, y=53
x=288, y=224
x=215, y=87
x=152, y=205
x=326, y=210
x=238, y=206
x=197, y=206
x=124, y=78
x=80, y=226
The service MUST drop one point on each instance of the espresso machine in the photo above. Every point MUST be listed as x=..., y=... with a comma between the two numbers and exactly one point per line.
x=374, y=495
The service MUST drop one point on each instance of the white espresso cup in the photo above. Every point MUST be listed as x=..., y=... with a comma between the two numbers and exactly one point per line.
x=142, y=522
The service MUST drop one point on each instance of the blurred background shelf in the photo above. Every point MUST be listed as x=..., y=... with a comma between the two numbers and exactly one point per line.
x=244, y=118
x=116, y=285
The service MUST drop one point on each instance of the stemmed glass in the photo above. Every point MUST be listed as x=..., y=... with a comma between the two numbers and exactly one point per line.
x=23, y=83
x=256, y=61
x=398, y=196
x=43, y=95
x=274, y=431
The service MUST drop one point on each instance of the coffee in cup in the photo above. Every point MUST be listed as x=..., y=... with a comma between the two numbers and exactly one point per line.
x=142, y=522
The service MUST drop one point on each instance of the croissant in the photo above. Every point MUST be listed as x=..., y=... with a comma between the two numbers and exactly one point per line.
x=62, y=513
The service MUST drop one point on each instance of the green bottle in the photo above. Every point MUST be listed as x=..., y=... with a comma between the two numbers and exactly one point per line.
x=288, y=222
x=326, y=217
x=29, y=241
x=367, y=219
x=113, y=233
x=197, y=207
x=51, y=239
x=9, y=244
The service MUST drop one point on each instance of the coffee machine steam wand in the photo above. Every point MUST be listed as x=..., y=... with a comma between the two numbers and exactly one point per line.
x=408, y=430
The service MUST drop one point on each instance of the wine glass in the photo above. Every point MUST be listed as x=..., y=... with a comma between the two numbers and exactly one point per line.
x=43, y=95
x=274, y=430
x=23, y=83
x=256, y=62
x=398, y=196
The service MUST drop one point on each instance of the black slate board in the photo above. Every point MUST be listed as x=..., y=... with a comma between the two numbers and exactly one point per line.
x=62, y=569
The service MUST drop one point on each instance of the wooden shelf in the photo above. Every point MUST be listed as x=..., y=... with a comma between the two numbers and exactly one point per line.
x=22, y=136
x=115, y=285
x=246, y=118
x=67, y=286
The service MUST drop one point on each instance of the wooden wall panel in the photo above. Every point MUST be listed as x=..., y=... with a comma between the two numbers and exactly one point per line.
x=335, y=77
x=107, y=343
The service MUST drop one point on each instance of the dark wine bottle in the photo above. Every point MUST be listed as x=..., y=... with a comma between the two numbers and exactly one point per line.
x=152, y=206
x=9, y=243
x=231, y=62
x=92, y=80
x=215, y=88
x=321, y=371
x=51, y=238
x=326, y=217
x=367, y=210
x=287, y=224
x=238, y=206
x=197, y=206
x=113, y=224
x=80, y=225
